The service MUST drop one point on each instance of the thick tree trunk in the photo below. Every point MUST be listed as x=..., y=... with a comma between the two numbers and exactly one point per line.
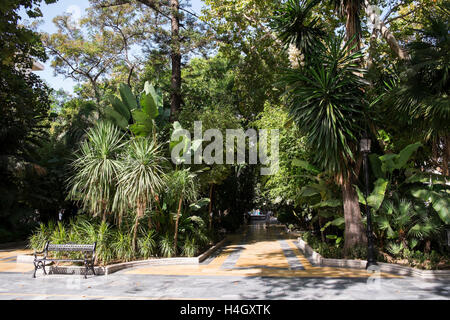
x=175, y=99
x=352, y=24
x=354, y=229
x=175, y=238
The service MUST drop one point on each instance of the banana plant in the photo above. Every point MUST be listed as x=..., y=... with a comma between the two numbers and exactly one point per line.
x=142, y=116
x=318, y=195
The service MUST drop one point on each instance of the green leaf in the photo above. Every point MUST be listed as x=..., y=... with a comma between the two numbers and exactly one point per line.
x=127, y=96
x=361, y=198
x=375, y=165
x=143, y=125
x=305, y=165
x=120, y=107
x=392, y=161
x=376, y=198
x=438, y=201
x=199, y=204
x=116, y=118
x=149, y=101
x=328, y=203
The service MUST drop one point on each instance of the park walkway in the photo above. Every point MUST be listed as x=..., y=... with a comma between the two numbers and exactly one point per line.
x=259, y=251
x=258, y=264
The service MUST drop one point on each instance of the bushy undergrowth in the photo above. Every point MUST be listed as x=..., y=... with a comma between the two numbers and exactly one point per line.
x=414, y=258
x=114, y=244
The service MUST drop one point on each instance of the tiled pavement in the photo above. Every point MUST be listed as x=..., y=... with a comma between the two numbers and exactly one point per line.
x=261, y=264
x=268, y=252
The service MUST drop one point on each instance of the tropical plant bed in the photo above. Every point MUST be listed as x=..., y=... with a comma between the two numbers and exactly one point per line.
x=115, y=245
x=416, y=259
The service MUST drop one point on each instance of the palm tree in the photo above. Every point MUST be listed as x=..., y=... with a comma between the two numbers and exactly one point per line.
x=181, y=186
x=423, y=92
x=140, y=179
x=96, y=169
x=326, y=101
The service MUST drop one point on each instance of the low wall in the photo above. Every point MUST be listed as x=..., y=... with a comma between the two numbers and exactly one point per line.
x=126, y=265
x=317, y=260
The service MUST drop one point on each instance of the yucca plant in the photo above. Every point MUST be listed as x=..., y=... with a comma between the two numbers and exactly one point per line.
x=326, y=100
x=296, y=25
x=96, y=168
x=190, y=247
x=147, y=244
x=122, y=246
x=40, y=236
x=140, y=179
x=166, y=247
x=181, y=186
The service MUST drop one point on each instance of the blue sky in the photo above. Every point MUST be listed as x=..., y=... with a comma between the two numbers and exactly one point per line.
x=76, y=8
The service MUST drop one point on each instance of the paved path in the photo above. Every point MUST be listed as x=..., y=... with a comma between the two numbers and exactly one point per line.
x=260, y=264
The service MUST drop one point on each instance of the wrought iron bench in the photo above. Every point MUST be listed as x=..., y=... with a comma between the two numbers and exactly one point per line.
x=87, y=249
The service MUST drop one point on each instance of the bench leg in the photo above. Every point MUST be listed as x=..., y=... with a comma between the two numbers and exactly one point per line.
x=43, y=267
x=86, y=264
x=35, y=269
x=92, y=267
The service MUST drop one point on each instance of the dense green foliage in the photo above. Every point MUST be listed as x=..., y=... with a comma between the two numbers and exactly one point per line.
x=323, y=73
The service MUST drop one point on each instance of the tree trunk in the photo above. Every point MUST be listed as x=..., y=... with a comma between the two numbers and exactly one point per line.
x=384, y=31
x=210, y=205
x=139, y=213
x=352, y=24
x=175, y=238
x=175, y=99
x=354, y=230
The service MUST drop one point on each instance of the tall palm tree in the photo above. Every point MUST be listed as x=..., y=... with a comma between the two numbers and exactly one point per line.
x=96, y=169
x=326, y=101
x=140, y=179
x=182, y=186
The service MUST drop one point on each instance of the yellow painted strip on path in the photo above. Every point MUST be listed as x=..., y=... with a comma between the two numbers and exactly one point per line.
x=267, y=253
x=299, y=255
x=16, y=267
x=6, y=254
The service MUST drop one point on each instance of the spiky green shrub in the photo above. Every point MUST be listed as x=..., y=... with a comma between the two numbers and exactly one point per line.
x=190, y=247
x=122, y=246
x=165, y=245
x=147, y=244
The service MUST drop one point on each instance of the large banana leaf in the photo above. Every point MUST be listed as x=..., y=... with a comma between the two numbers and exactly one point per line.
x=393, y=161
x=149, y=101
x=120, y=107
x=127, y=96
x=116, y=118
x=439, y=201
x=375, y=199
x=143, y=124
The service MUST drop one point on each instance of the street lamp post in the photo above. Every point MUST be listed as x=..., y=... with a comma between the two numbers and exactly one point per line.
x=365, y=149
